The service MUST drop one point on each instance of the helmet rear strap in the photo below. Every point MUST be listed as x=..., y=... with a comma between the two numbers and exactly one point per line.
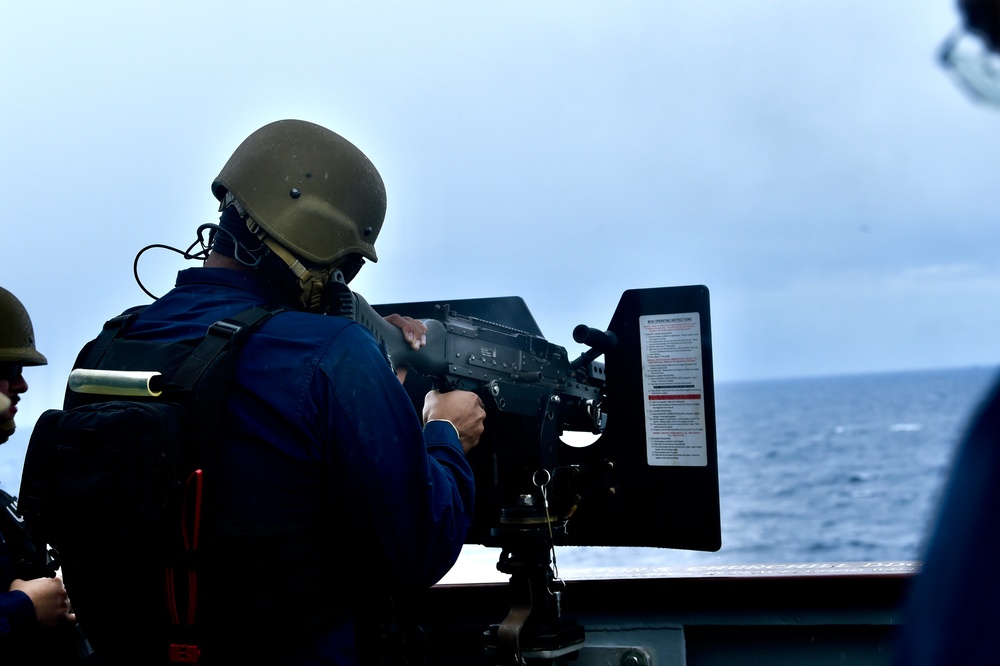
x=311, y=280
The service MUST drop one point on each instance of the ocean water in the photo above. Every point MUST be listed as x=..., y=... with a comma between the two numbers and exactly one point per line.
x=826, y=469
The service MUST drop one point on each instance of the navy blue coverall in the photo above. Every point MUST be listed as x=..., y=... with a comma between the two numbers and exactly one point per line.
x=954, y=605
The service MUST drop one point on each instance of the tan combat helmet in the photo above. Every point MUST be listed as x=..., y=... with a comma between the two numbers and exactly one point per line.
x=17, y=345
x=17, y=337
x=310, y=191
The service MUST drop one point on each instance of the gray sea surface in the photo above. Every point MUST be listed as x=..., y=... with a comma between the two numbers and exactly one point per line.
x=824, y=469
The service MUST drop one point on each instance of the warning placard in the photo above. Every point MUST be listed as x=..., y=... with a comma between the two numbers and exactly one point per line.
x=674, y=389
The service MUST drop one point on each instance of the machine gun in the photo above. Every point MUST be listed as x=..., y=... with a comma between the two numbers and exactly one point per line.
x=649, y=479
x=532, y=393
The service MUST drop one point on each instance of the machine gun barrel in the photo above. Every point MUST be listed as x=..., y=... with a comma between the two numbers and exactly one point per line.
x=598, y=341
x=602, y=341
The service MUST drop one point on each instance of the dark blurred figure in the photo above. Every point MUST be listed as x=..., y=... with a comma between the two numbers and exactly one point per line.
x=953, y=609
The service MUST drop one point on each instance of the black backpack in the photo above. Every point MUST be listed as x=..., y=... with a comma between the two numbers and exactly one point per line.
x=114, y=484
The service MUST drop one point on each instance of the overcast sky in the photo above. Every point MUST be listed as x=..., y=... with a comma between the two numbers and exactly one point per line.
x=806, y=160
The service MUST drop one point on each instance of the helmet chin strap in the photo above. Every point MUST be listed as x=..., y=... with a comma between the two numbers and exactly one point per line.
x=312, y=281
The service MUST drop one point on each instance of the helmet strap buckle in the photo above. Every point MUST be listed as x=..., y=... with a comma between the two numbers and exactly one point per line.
x=312, y=281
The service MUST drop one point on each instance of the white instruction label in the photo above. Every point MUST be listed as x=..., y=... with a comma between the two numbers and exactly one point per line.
x=674, y=390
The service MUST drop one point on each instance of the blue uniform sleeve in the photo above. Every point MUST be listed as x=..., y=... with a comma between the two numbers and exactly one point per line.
x=16, y=612
x=952, y=610
x=411, y=488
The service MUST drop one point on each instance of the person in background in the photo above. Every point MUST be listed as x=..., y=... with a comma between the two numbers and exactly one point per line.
x=329, y=489
x=953, y=606
x=27, y=607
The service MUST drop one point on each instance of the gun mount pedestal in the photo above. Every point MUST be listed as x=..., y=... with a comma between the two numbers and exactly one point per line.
x=534, y=632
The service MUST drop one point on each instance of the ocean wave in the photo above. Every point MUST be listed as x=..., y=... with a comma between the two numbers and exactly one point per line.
x=906, y=427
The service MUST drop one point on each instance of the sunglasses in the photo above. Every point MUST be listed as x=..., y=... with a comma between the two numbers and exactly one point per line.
x=10, y=371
